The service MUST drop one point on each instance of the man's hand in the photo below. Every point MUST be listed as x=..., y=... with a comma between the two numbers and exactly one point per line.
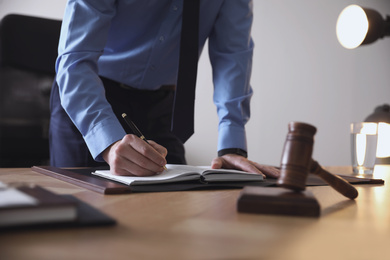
x=238, y=162
x=133, y=156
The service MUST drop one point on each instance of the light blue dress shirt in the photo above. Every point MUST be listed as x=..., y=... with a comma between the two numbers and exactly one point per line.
x=136, y=42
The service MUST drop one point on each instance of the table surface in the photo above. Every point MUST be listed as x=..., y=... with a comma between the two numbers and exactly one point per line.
x=206, y=225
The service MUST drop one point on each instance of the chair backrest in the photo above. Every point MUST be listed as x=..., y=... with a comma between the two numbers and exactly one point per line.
x=28, y=50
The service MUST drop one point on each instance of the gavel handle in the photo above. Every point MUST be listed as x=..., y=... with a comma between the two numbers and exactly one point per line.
x=334, y=181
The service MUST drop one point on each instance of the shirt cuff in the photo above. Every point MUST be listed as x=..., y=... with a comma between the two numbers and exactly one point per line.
x=232, y=137
x=233, y=151
x=102, y=136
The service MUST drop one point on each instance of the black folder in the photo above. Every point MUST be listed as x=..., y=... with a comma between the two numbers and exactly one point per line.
x=83, y=177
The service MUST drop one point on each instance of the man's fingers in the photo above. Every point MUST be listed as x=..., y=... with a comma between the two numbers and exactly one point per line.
x=159, y=148
x=217, y=163
x=270, y=171
x=133, y=156
x=126, y=167
x=146, y=152
x=232, y=161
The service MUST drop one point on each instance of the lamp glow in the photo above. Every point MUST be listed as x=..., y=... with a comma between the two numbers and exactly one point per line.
x=383, y=148
x=352, y=26
x=381, y=116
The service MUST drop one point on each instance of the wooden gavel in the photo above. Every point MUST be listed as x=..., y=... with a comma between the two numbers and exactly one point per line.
x=297, y=162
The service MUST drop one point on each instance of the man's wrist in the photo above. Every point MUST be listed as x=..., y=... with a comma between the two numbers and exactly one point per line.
x=237, y=151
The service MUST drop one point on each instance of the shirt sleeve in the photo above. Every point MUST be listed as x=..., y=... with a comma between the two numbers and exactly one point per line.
x=83, y=36
x=231, y=51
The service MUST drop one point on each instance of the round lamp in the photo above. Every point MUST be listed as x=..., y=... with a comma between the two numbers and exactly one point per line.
x=357, y=25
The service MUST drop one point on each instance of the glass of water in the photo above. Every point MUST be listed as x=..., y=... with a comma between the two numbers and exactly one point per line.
x=364, y=137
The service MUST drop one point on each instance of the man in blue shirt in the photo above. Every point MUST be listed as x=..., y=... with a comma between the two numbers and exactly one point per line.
x=121, y=56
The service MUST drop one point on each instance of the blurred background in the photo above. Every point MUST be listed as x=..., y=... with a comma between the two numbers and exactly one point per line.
x=300, y=73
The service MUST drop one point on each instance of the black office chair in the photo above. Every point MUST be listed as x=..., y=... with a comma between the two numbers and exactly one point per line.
x=28, y=50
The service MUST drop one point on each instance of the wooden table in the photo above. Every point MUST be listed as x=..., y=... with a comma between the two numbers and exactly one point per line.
x=206, y=225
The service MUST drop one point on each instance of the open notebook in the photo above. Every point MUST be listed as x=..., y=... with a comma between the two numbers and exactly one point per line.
x=183, y=173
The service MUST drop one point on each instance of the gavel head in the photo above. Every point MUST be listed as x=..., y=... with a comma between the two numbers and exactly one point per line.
x=297, y=156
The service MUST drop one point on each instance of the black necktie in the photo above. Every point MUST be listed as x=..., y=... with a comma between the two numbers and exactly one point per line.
x=183, y=108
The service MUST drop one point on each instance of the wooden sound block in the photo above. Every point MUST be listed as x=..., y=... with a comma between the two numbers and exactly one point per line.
x=279, y=201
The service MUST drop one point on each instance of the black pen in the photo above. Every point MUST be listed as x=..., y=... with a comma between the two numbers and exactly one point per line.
x=135, y=130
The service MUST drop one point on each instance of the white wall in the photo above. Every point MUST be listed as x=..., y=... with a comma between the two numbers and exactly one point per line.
x=300, y=73
x=44, y=8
